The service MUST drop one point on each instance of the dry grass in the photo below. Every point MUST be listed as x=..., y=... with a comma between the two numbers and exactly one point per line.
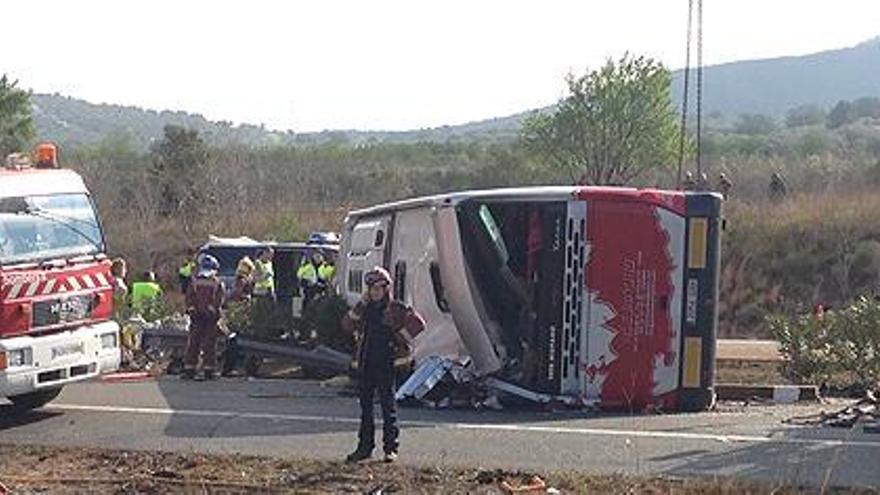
x=34, y=469
x=788, y=256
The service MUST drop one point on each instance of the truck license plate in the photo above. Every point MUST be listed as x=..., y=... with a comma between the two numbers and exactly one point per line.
x=62, y=310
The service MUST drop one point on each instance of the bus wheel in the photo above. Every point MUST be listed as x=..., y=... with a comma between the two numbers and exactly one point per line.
x=33, y=400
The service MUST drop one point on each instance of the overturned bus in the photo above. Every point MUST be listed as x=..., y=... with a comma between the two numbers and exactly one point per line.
x=607, y=296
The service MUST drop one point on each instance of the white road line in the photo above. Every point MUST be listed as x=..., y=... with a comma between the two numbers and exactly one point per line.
x=513, y=428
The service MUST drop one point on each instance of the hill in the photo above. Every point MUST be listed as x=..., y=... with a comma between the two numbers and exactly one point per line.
x=769, y=86
x=773, y=86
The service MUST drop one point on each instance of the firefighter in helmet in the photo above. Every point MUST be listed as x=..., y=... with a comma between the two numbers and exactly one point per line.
x=383, y=330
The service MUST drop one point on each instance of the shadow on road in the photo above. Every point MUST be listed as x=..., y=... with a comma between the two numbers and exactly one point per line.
x=10, y=418
x=236, y=408
x=809, y=456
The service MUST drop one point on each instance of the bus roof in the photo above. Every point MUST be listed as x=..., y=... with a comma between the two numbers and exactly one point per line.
x=535, y=193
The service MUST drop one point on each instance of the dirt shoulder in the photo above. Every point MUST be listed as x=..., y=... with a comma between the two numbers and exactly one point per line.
x=35, y=469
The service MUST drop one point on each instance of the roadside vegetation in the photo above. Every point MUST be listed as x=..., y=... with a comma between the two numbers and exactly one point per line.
x=819, y=244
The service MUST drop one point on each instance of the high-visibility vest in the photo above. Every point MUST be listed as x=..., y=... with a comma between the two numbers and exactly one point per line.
x=186, y=270
x=264, y=278
x=308, y=273
x=326, y=272
x=143, y=293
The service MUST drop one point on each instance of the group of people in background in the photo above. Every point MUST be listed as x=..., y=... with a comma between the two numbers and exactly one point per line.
x=143, y=295
x=776, y=189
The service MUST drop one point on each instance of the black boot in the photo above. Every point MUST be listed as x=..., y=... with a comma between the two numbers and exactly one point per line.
x=360, y=454
x=209, y=375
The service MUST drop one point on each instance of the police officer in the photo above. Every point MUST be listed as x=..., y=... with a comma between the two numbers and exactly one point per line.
x=264, y=275
x=314, y=275
x=185, y=272
x=383, y=330
x=204, y=298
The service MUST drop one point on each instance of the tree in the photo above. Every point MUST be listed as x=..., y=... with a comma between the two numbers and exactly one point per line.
x=616, y=123
x=179, y=163
x=752, y=124
x=804, y=115
x=841, y=114
x=16, y=122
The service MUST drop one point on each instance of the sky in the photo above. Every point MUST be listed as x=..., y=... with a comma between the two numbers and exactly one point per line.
x=382, y=64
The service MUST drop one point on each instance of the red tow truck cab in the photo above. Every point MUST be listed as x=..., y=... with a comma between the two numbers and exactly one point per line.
x=56, y=289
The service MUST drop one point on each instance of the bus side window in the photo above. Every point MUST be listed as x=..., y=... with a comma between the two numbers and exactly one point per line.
x=355, y=281
x=437, y=284
x=400, y=280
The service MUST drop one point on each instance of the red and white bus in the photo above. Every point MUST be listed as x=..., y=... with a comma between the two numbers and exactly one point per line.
x=605, y=295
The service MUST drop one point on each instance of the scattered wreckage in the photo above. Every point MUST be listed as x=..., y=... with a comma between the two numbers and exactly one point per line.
x=865, y=412
x=159, y=345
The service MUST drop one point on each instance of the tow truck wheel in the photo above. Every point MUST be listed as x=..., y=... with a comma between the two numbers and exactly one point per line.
x=33, y=400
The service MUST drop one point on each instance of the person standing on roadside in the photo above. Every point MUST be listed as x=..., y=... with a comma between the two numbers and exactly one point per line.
x=204, y=298
x=383, y=330
x=264, y=275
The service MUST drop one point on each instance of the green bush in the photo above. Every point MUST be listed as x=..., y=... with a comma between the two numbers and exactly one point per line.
x=836, y=348
x=323, y=318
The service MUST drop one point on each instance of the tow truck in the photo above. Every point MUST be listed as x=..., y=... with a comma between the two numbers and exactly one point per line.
x=56, y=289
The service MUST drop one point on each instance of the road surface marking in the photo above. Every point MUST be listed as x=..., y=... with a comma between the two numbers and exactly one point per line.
x=668, y=435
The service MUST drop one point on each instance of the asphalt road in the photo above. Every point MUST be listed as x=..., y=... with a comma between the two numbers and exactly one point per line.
x=304, y=419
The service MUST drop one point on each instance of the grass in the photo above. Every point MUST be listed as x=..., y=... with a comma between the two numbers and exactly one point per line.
x=786, y=257
x=85, y=470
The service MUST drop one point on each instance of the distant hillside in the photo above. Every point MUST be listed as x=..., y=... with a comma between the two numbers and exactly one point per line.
x=70, y=121
x=773, y=86
x=73, y=122
x=769, y=86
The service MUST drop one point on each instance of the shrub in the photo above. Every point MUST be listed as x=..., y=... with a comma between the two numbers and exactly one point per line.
x=322, y=318
x=837, y=348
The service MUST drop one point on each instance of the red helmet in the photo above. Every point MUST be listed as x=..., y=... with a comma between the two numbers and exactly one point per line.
x=377, y=275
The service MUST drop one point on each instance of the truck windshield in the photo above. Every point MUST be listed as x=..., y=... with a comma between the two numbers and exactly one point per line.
x=35, y=228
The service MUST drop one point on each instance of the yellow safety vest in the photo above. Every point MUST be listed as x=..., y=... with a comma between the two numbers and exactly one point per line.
x=144, y=293
x=186, y=270
x=264, y=276
x=308, y=273
x=326, y=272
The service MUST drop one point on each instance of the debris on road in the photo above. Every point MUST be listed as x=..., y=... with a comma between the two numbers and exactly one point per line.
x=155, y=347
x=442, y=383
x=865, y=412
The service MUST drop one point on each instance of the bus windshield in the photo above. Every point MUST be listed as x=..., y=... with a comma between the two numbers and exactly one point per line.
x=35, y=228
